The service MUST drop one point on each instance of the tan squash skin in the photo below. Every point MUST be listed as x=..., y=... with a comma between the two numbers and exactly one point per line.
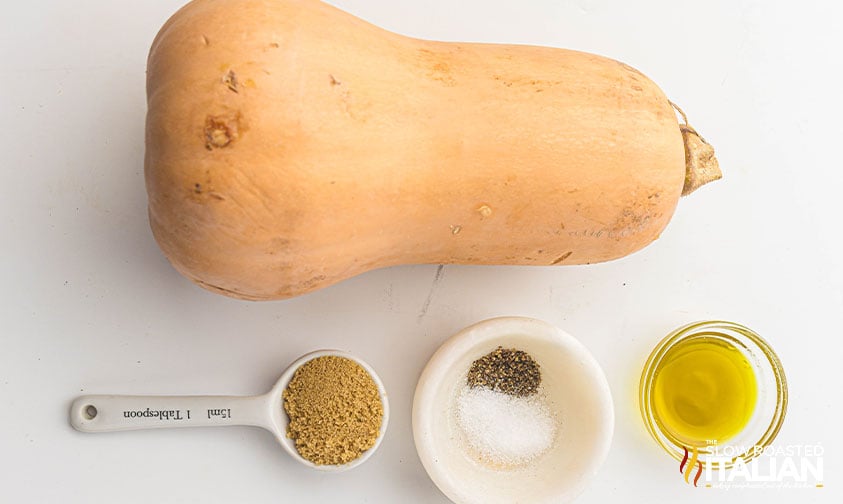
x=291, y=145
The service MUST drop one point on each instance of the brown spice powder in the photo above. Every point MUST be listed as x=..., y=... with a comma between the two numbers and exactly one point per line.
x=335, y=410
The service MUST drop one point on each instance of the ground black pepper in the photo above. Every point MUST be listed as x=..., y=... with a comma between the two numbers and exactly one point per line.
x=506, y=370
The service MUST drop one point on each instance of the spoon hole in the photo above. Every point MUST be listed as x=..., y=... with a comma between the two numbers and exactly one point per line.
x=89, y=412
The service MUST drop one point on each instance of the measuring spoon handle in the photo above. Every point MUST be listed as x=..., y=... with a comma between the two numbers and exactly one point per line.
x=106, y=413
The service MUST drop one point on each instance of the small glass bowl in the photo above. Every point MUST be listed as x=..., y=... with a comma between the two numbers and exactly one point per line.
x=769, y=413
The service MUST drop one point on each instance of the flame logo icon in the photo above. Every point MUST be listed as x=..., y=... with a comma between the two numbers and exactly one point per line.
x=686, y=467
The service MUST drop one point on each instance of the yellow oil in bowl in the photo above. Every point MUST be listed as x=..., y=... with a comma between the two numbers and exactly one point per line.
x=704, y=392
x=712, y=393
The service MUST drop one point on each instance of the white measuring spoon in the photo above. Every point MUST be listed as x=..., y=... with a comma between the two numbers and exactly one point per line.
x=107, y=413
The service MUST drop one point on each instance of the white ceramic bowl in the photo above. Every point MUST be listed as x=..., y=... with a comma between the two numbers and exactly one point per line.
x=577, y=394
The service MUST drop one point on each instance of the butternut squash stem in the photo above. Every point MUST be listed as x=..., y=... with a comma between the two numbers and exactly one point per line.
x=701, y=166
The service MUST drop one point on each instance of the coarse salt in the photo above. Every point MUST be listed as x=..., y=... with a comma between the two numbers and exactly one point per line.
x=503, y=428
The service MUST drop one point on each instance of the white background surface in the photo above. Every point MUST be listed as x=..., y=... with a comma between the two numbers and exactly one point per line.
x=89, y=305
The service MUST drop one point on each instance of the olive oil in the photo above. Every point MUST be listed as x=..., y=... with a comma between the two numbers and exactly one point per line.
x=704, y=391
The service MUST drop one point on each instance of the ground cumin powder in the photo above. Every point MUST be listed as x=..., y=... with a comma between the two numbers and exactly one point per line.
x=335, y=410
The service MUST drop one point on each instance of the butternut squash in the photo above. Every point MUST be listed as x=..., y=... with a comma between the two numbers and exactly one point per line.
x=290, y=145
